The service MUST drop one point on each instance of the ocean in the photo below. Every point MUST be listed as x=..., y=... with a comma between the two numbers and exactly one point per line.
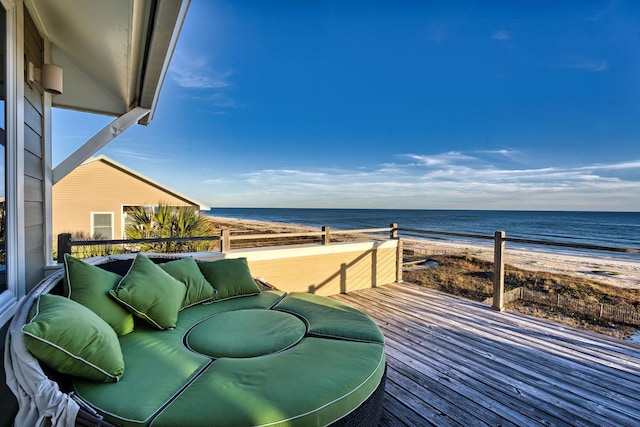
x=616, y=229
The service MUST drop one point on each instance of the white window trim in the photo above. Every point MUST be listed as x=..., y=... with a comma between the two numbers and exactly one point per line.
x=14, y=152
x=102, y=213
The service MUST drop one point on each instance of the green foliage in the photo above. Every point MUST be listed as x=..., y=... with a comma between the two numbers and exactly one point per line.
x=169, y=221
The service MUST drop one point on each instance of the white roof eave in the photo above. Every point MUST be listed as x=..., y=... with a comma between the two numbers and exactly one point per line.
x=115, y=54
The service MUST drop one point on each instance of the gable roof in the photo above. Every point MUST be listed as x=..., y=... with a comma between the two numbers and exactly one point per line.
x=138, y=175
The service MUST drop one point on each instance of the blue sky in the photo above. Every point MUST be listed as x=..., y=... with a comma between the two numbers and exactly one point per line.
x=394, y=104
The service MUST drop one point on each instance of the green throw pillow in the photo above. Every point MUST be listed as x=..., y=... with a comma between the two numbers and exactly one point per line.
x=186, y=270
x=150, y=293
x=231, y=277
x=72, y=339
x=90, y=285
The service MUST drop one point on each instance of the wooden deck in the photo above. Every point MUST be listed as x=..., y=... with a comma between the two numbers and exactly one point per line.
x=452, y=361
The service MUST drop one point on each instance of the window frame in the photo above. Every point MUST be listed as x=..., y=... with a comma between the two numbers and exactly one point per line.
x=93, y=233
x=14, y=152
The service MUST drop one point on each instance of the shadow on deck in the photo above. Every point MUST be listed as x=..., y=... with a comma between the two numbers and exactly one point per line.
x=453, y=361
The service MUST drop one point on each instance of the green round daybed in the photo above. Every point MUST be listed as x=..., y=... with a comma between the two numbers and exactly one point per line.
x=242, y=356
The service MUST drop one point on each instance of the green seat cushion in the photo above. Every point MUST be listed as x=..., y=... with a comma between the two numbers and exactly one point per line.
x=315, y=382
x=186, y=270
x=330, y=318
x=195, y=314
x=150, y=293
x=72, y=339
x=246, y=333
x=231, y=277
x=90, y=285
x=158, y=365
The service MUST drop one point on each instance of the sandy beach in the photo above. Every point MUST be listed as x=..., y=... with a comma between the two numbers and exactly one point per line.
x=605, y=268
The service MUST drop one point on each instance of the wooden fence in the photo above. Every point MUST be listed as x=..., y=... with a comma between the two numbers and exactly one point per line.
x=609, y=312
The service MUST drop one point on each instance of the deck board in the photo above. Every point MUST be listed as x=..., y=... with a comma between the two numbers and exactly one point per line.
x=455, y=362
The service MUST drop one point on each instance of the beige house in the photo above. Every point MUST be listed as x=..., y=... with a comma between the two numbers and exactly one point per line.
x=95, y=197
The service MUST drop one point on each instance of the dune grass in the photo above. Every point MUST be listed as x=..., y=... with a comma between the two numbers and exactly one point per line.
x=472, y=278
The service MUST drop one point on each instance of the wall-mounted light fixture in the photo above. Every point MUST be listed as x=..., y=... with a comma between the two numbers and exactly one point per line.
x=50, y=76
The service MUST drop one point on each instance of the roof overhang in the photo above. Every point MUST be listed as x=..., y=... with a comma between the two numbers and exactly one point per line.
x=115, y=54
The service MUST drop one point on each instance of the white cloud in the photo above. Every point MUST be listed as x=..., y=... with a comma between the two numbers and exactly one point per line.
x=585, y=64
x=501, y=35
x=440, y=159
x=446, y=180
x=190, y=70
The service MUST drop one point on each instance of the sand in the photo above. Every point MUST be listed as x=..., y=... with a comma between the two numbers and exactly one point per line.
x=605, y=268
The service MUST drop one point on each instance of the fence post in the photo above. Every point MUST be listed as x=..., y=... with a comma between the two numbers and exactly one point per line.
x=393, y=234
x=498, y=271
x=326, y=235
x=400, y=261
x=225, y=240
x=64, y=246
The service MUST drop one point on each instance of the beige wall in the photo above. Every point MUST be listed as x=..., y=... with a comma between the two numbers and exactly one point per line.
x=100, y=187
x=323, y=270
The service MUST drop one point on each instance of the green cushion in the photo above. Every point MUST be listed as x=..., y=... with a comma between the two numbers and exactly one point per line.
x=150, y=293
x=246, y=333
x=186, y=270
x=313, y=383
x=90, y=285
x=158, y=365
x=73, y=340
x=231, y=277
x=200, y=312
x=327, y=317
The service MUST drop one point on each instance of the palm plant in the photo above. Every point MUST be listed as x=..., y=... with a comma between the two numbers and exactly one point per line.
x=169, y=221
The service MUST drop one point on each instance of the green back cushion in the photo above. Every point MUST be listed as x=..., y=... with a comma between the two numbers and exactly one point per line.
x=150, y=293
x=186, y=270
x=90, y=285
x=230, y=277
x=73, y=340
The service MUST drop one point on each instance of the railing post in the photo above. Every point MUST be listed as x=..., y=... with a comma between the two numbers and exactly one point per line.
x=225, y=240
x=400, y=261
x=326, y=235
x=393, y=234
x=64, y=246
x=498, y=271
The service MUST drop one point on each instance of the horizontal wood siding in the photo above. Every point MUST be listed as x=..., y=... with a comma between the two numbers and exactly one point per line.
x=327, y=273
x=33, y=162
x=99, y=187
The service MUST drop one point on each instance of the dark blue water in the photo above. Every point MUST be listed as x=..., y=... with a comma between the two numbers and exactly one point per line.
x=617, y=229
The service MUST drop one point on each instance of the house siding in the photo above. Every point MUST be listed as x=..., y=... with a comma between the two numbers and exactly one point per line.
x=99, y=186
x=33, y=159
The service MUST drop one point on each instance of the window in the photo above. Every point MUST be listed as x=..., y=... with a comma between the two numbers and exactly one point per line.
x=102, y=225
x=131, y=216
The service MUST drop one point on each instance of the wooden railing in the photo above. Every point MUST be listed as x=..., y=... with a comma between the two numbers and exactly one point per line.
x=226, y=236
x=499, y=239
x=326, y=236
